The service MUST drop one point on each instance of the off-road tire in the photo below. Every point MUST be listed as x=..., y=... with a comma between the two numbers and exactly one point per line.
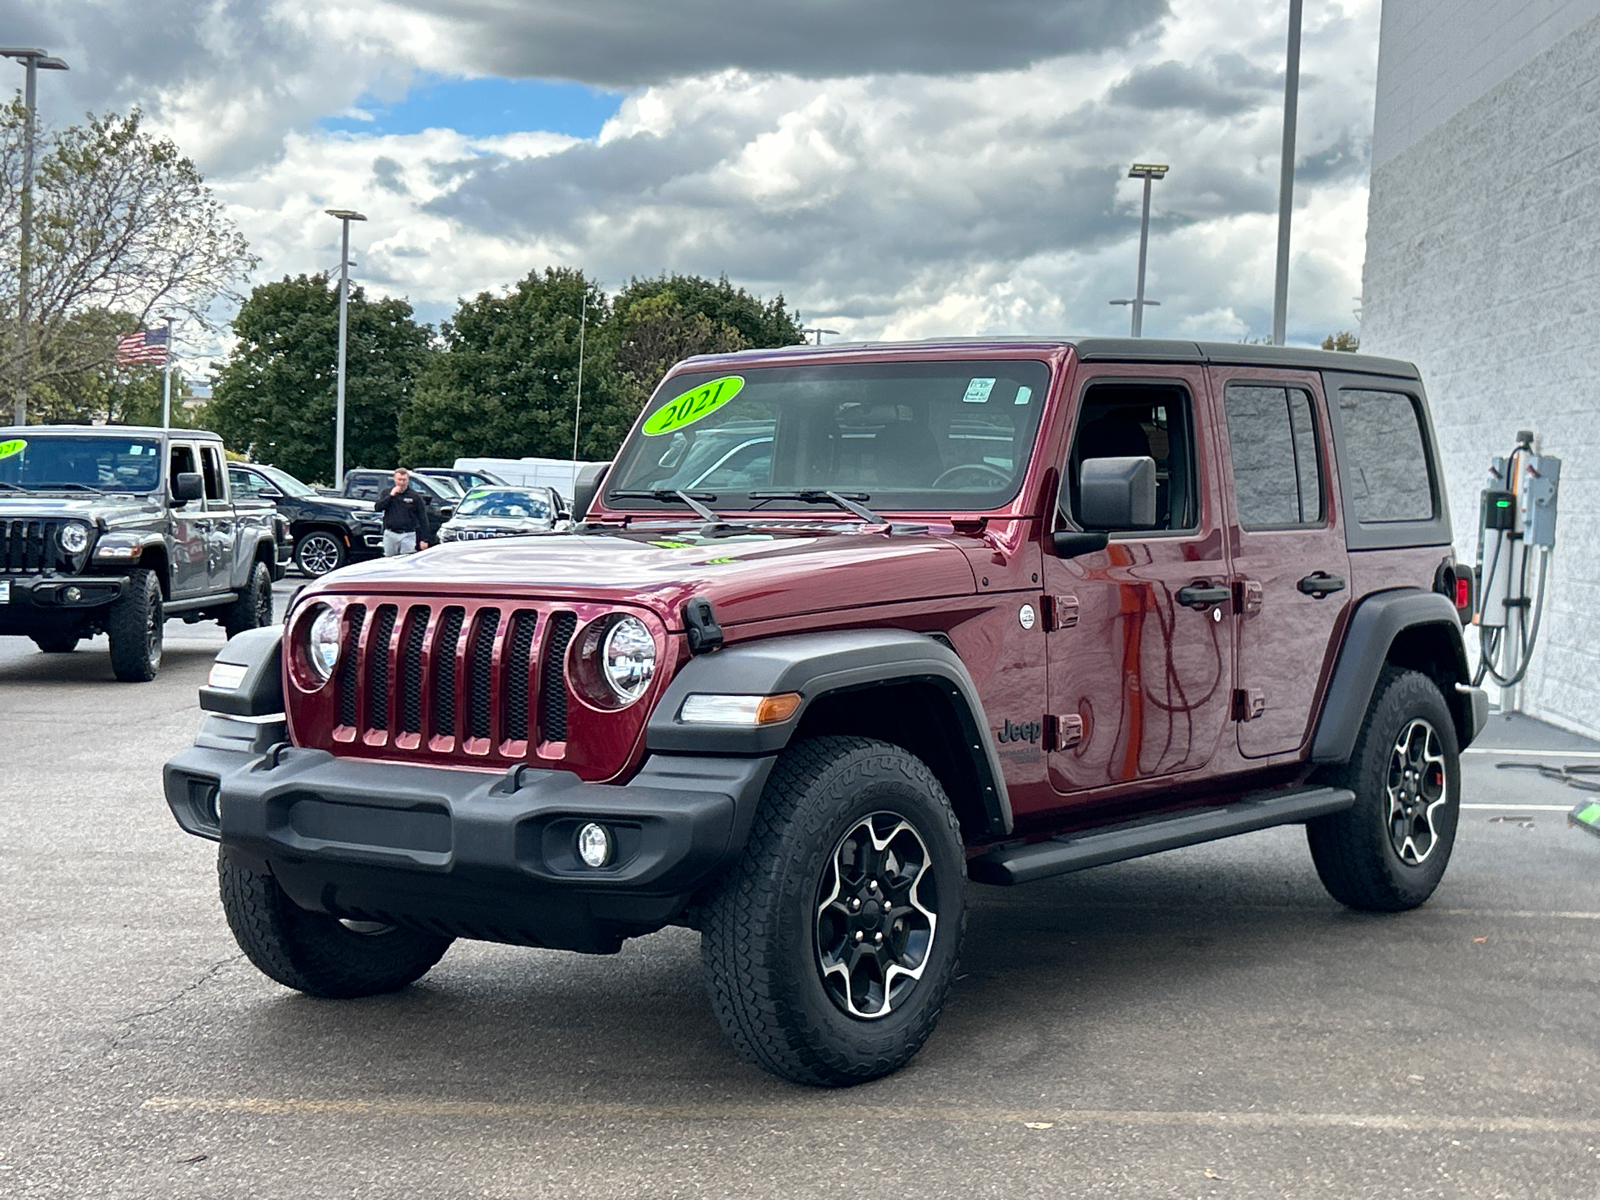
x=1353, y=850
x=135, y=625
x=313, y=952
x=56, y=645
x=759, y=928
x=253, y=608
x=318, y=551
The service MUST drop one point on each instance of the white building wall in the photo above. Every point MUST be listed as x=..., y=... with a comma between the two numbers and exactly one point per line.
x=1483, y=268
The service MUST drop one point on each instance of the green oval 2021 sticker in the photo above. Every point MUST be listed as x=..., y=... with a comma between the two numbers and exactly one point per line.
x=14, y=446
x=694, y=404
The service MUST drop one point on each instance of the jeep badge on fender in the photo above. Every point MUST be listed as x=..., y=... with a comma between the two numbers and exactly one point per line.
x=770, y=687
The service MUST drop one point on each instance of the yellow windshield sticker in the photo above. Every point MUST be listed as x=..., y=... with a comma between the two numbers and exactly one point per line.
x=694, y=404
x=14, y=446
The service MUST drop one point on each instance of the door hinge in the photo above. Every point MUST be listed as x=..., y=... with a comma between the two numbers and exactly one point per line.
x=1248, y=704
x=1062, y=733
x=1060, y=612
x=1247, y=596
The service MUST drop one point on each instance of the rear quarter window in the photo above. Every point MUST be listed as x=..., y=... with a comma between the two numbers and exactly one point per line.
x=1386, y=460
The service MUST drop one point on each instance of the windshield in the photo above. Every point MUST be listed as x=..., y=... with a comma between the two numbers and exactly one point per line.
x=942, y=436
x=287, y=483
x=105, y=463
x=441, y=485
x=503, y=502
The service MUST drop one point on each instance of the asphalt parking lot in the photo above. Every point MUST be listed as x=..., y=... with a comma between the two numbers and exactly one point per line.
x=1203, y=1023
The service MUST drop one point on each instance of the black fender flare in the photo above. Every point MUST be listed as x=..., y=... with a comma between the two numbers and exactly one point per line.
x=816, y=665
x=1377, y=621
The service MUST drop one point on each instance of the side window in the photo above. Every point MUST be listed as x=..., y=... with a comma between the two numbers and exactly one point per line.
x=182, y=460
x=1118, y=420
x=1384, y=457
x=245, y=484
x=1277, y=479
x=211, y=468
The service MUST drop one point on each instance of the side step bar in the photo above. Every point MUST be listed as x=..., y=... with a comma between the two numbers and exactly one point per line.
x=1151, y=835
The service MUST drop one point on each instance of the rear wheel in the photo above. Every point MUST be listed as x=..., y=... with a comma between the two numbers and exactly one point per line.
x=1389, y=851
x=829, y=947
x=313, y=952
x=253, y=608
x=56, y=645
x=317, y=552
x=134, y=625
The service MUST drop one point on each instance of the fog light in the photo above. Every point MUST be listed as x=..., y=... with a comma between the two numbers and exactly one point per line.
x=73, y=595
x=594, y=845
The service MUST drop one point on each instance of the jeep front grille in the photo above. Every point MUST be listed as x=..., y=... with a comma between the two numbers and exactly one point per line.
x=28, y=546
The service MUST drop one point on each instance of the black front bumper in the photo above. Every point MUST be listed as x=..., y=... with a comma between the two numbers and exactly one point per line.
x=42, y=604
x=463, y=852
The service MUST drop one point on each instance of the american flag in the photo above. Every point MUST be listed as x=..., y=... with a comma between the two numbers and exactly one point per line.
x=146, y=346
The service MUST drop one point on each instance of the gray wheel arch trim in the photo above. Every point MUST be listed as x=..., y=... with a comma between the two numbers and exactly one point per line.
x=1377, y=621
x=815, y=665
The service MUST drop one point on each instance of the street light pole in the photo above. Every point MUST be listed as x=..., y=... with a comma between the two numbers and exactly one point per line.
x=166, y=382
x=1147, y=172
x=32, y=61
x=819, y=333
x=1291, y=104
x=345, y=215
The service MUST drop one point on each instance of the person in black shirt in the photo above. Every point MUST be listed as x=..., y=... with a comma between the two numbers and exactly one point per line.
x=405, y=517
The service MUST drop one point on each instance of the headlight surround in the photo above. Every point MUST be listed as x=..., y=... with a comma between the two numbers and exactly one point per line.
x=73, y=537
x=322, y=642
x=628, y=658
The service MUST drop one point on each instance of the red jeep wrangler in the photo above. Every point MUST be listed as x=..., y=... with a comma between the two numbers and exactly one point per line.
x=845, y=628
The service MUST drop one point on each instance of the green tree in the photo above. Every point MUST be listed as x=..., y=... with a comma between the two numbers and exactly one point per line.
x=507, y=382
x=123, y=223
x=1343, y=340
x=275, y=395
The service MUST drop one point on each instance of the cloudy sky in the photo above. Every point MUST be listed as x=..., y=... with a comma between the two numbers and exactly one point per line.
x=896, y=168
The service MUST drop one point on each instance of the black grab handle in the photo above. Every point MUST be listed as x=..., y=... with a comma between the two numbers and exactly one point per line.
x=1320, y=583
x=1202, y=597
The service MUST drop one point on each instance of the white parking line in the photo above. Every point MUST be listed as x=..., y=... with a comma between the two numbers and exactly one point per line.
x=1526, y=807
x=1545, y=754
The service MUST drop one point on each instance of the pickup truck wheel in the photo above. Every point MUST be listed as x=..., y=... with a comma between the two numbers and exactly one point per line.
x=1389, y=851
x=318, y=552
x=134, y=625
x=313, y=952
x=829, y=947
x=253, y=608
x=56, y=645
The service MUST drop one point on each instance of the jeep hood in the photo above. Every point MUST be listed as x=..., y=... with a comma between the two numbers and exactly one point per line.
x=55, y=506
x=759, y=575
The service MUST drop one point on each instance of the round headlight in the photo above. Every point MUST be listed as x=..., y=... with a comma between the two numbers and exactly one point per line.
x=74, y=537
x=322, y=643
x=628, y=658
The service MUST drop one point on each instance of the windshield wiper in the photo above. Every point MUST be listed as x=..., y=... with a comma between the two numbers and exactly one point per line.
x=15, y=487
x=845, y=500
x=67, y=487
x=668, y=495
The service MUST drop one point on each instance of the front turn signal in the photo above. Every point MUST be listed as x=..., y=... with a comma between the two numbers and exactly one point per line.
x=750, y=711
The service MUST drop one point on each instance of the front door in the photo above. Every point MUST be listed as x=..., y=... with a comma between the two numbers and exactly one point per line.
x=1290, y=565
x=1140, y=637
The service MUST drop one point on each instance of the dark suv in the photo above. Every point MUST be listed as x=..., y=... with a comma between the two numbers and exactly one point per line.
x=984, y=610
x=328, y=531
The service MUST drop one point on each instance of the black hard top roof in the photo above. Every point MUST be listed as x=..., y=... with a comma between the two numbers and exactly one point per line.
x=1116, y=349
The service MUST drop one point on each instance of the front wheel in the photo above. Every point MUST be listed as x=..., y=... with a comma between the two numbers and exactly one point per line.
x=829, y=947
x=318, y=552
x=1389, y=850
x=313, y=952
x=135, y=626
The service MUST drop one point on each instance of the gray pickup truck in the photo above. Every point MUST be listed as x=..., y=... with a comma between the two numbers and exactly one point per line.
x=116, y=528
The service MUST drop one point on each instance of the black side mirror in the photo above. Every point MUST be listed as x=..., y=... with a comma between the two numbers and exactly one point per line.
x=583, y=490
x=1117, y=493
x=446, y=511
x=269, y=494
x=187, y=486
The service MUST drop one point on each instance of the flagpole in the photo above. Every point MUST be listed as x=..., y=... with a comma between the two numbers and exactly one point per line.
x=166, y=382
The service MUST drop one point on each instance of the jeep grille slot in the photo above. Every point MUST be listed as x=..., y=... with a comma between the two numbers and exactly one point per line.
x=519, y=665
x=355, y=617
x=480, y=659
x=444, y=671
x=553, y=685
x=29, y=547
x=378, y=668
x=411, y=669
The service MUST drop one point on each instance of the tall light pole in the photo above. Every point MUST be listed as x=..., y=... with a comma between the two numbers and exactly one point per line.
x=33, y=62
x=820, y=332
x=166, y=379
x=345, y=215
x=1291, y=104
x=1147, y=172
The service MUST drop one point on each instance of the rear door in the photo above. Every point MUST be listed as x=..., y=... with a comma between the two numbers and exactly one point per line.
x=222, y=540
x=1139, y=638
x=191, y=527
x=1289, y=559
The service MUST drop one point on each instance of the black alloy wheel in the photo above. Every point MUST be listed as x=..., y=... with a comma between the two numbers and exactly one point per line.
x=318, y=552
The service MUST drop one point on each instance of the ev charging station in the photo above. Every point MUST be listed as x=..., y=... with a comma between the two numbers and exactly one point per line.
x=1516, y=535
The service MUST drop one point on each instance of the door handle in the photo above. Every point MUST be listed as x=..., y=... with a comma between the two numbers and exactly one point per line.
x=1201, y=597
x=1319, y=584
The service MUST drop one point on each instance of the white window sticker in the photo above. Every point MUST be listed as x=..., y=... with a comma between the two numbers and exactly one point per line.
x=978, y=391
x=1024, y=394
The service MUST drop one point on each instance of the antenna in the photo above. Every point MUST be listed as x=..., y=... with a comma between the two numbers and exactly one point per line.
x=577, y=415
